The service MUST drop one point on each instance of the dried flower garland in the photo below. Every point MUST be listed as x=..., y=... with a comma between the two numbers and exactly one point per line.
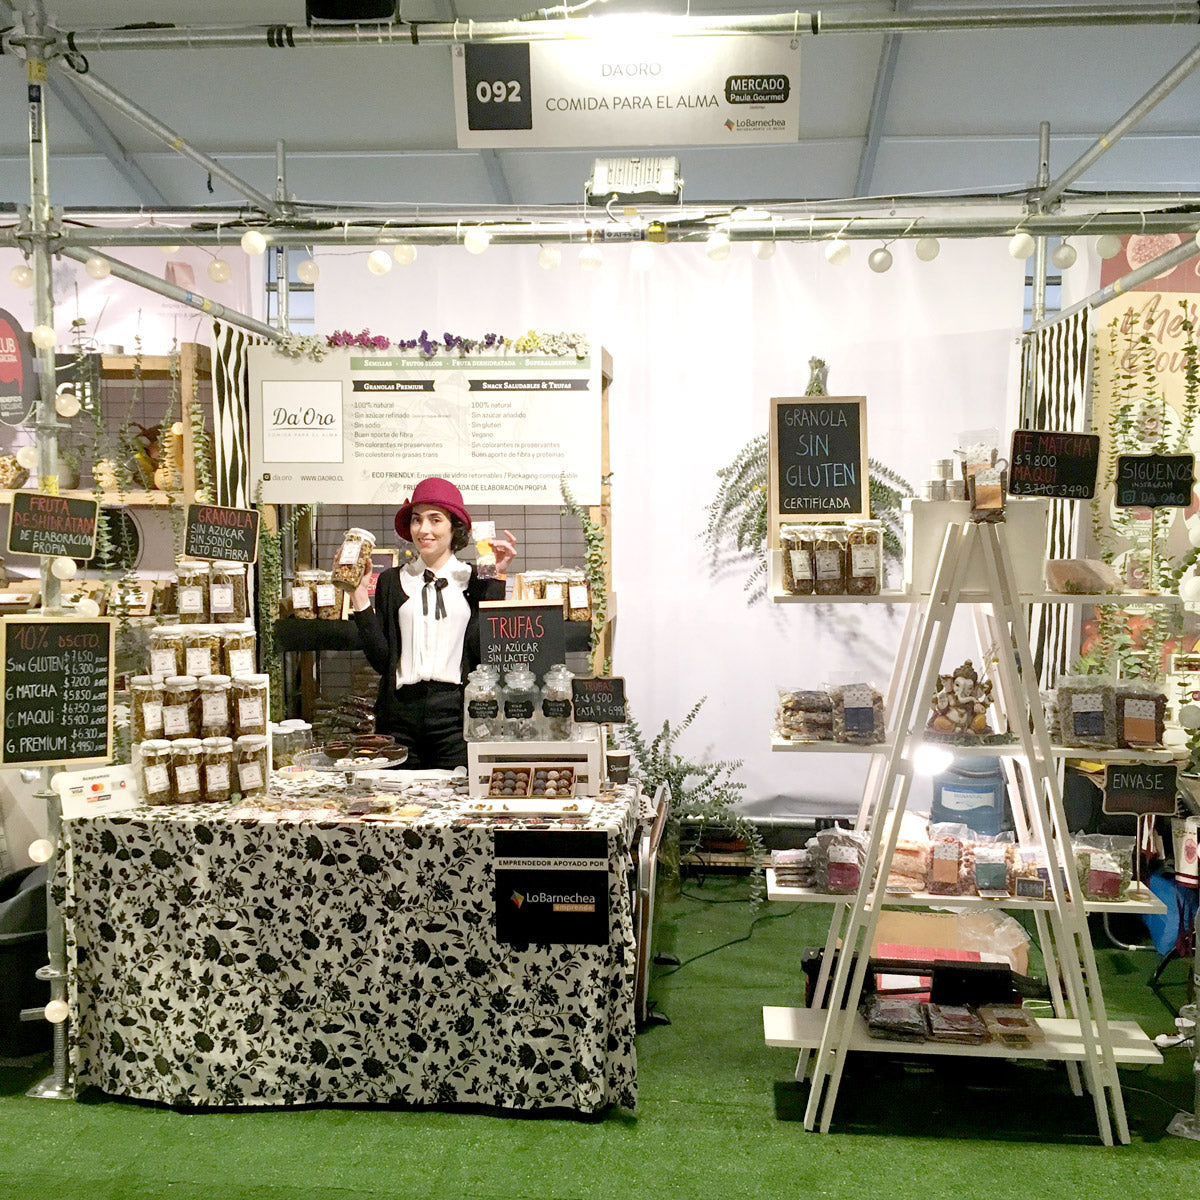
x=561, y=345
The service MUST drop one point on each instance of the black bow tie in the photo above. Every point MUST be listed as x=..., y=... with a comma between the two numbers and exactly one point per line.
x=439, y=607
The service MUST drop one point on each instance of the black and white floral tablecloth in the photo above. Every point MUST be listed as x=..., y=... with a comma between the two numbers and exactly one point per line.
x=221, y=960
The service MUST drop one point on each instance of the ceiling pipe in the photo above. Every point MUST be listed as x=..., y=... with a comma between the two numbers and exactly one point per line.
x=546, y=27
x=806, y=229
x=88, y=82
x=1159, y=92
x=152, y=283
x=1156, y=266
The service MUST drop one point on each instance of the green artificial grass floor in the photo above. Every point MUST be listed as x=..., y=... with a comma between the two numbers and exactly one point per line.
x=719, y=1113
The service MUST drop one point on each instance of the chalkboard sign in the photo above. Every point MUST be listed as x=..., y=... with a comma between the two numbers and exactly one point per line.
x=1046, y=463
x=56, y=690
x=1155, y=480
x=43, y=524
x=221, y=533
x=599, y=700
x=529, y=634
x=18, y=384
x=818, y=458
x=1140, y=788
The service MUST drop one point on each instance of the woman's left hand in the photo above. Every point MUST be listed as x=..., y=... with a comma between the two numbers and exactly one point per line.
x=505, y=549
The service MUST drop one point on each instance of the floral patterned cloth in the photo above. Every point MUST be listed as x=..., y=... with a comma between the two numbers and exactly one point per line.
x=220, y=960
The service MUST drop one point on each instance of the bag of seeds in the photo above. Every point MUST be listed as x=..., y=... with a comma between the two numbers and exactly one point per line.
x=1087, y=711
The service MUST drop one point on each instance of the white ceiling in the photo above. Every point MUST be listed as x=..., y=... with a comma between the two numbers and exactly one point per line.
x=376, y=124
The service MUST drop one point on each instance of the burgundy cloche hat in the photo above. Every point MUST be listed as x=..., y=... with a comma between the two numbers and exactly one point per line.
x=441, y=493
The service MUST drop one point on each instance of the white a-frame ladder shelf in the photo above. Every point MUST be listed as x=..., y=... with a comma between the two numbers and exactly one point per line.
x=1080, y=1033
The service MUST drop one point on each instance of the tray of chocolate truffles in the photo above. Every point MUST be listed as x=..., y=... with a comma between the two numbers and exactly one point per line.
x=532, y=788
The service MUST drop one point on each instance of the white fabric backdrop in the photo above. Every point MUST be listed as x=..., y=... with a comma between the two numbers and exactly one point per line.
x=698, y=349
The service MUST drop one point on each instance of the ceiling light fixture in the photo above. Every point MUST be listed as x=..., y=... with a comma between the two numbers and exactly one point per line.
x=762, y=250
x=717, y=245
x=379, y=262
x=591, y=258
x=253, y=242
x=1020, y=245
x=405, y=253
x=1064, y=255
x=549, y=257
x=927, y=248
x=21, y=276
x=307, y=271
x=1108, y=245
x=219, y=271
x=476, y=241
x=98, y=267
x=837, y=252
x=880, y=260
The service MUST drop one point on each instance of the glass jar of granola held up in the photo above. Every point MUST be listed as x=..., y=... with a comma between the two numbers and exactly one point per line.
x=351, y=563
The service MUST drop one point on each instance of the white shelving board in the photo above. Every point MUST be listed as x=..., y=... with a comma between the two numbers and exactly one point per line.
x=800, y=1029
x=1139, y=901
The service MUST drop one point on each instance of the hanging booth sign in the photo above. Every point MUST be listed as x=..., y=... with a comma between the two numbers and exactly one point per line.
x=628, y=91
x=818, y=459
x=360, y=428
x=217, y=533
x=52, y=525
x=56, y=689
x=1140, y=789
x=522, y=635
x=1046, y=463
x=1155, y=480
x=18, y=383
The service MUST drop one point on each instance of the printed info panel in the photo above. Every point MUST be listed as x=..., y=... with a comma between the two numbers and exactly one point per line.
x=360, y=428
x=628, y=91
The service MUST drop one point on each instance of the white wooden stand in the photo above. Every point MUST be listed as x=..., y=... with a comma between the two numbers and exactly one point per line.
x=586, y=756
x=1080, y=1033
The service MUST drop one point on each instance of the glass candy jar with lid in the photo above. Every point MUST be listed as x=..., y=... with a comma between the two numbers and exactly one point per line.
x=520, y=705
x=227, y=599
x=557, y=696
x=481, y=706
x=214, y=705
x=304, y=595
x=154, y=767
x=181, y=706
x=352, y=557
x=250, y=752
x=249, y=696
x=187, y=757
x=218, y=769
x=167, y=655
x=145, y=708
x=191, y=591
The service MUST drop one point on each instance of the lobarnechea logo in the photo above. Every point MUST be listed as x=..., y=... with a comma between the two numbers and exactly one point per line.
x=517, y=899
x=757, y=89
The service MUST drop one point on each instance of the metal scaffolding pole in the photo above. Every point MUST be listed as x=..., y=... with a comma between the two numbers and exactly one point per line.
x=1159, y=92
x=1039, y=252
x=125, y=106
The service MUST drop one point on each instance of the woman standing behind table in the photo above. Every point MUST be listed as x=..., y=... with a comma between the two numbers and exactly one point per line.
x=422, y=633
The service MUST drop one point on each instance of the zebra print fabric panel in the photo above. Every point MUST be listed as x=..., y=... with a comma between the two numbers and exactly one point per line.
x=231, y=414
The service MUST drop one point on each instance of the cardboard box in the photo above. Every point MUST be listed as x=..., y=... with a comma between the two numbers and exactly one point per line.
x=925, y=523
x=959, y=932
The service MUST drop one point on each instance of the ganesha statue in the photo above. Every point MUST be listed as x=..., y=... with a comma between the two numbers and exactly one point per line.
x=960, y=704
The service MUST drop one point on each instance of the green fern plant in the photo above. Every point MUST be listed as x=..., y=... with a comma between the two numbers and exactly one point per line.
x=704, y=796
x=596, y=569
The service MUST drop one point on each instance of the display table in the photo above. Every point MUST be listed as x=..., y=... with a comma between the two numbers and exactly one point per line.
x=222, y=958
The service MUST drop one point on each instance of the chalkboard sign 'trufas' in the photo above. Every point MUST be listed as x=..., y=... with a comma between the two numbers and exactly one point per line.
x=818, y=459
x=56, y=690
x=529, y=634
x=1140, y=789
x=1044, y=462
x=1155, y=480
x=601, y=700
x=52, y=525
x=214, y=532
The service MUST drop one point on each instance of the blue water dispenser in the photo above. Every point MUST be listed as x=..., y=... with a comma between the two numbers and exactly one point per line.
x=972, y=791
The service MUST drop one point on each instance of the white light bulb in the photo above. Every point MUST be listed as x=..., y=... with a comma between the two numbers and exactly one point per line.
x=717, y=245
x=880, y=260
x=41, y=851
x=63, y=567
x=1020, y=245
x=929, y=759
x=1064, y=255
x=27, y=457
x=1189, y=716
x=641, y=257
x=379, y=262
x=307, y=271
x=98, y=267
x=1189, y=589
x=549, y=257
x=21, y=276
x=66, y=404
x=253, y=242
x=43, y=337
x=169, y=249
x=405, y=253
x=762, y=250
x=837, y=252
x=927, y=248
x=1108, y=245
x=56, y=1012
x=219, y=271
x=87, y=607
x=476, y=241
x=591, y=258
